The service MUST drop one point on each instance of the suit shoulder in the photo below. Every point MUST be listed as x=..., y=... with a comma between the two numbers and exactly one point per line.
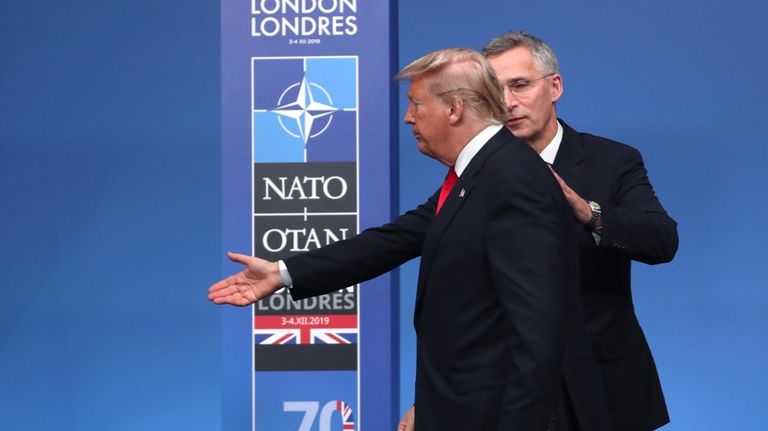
x=515, y=162
x=513, y=149
x=600, y=145
x=602, y=142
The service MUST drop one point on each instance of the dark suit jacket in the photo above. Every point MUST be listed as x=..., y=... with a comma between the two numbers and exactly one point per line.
x=497, y=284
x=636, y=228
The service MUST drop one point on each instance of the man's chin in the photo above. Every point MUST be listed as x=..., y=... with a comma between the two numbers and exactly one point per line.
x=517, y=129
x=423, y=149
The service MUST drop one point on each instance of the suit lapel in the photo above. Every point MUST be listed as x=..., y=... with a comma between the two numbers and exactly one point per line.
x=569, y=161
x=460, y=193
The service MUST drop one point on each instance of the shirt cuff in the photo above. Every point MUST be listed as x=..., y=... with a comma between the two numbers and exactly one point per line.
x=597, y=236
x=285, y=276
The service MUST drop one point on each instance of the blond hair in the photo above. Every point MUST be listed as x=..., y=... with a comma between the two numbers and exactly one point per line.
x=464, y=74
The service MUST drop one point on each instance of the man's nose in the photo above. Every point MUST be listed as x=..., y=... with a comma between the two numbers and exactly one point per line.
x=408, y=118
x=509, y=99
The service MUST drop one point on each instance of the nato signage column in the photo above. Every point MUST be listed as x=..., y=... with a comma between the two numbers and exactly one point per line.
x=307, y=152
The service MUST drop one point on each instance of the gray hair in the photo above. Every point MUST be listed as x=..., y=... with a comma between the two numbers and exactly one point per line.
x=464, y=74
x=543, y=55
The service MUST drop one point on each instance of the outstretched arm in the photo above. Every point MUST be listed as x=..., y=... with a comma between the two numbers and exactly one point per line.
x=335, y=266
x=632, y=222
x=259, y=279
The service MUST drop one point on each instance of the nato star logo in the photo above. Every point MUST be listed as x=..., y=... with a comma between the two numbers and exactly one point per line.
x=304, y=109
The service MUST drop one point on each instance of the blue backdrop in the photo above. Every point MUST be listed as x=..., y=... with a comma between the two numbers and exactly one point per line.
x=109, y=215
x=109, y=196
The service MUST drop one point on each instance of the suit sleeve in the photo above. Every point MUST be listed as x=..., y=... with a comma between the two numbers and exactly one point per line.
x=634, y=221
x=361, y=257
x=531, y=254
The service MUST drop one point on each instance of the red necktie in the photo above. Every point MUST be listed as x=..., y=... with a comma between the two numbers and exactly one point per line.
x=450, y=181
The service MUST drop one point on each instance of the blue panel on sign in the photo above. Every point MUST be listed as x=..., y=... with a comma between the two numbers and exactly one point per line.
x=337, y=142
x=338, y=76
x=284, y=401
x=309, y=111
x=282, y=146
x=271, y=77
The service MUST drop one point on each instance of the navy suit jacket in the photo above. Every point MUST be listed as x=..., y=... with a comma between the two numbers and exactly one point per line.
x=636, y=227
x=497, y=298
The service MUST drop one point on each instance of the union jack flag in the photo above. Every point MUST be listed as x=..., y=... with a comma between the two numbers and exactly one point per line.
x=348, y=423
x=305, y=329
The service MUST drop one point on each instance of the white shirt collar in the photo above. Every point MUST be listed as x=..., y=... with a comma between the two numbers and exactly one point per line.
x=550, y=151
x=468, y=152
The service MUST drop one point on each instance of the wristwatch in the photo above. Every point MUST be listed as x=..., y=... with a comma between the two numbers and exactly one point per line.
x=596, y=211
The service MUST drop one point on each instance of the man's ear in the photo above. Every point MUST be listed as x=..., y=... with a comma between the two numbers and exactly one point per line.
x=556, y=88
x=457, y=111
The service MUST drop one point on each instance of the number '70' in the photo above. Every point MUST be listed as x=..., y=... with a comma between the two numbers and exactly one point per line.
x=310, y=409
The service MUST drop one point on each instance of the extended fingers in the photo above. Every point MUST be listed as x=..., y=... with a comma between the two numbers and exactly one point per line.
x=219, y=285
x=563, y=184
x=222, y=292
x=236, y=299
x=238, y=257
